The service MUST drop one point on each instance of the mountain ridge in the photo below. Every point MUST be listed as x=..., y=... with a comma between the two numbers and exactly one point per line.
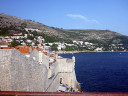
x=106, y=36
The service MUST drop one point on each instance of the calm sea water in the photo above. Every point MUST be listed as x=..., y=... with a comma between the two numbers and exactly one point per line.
x=102, y=72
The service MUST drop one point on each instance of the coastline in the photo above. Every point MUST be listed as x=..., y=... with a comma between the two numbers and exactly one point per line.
x=71, y=52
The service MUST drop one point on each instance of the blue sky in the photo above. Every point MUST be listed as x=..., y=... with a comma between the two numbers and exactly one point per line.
x=72, y=14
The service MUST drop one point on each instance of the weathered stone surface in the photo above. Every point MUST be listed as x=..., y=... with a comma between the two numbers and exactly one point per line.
x=5, y=74
x=18, y=73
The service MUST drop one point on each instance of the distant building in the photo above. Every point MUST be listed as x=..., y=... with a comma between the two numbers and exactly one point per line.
x=29, y=41
x=61, y=46
x=25, y=35
x=31, y=29
x=99, y=49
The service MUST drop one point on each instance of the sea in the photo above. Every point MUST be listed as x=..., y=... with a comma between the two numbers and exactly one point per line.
x=101, y=71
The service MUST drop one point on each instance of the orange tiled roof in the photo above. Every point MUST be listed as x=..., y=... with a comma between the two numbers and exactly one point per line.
x=33, y=49
x=39, y=49
x=23, y=49
x=45, y=53
x=7, y=47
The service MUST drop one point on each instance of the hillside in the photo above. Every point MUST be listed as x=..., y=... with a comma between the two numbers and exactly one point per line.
x=8, y=20
x=94, y=36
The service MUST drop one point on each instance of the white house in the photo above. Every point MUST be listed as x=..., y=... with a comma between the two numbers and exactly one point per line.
x=98, y=49
x=31, y=29
x=29, y=41
x=61, y=46
x=25, y=35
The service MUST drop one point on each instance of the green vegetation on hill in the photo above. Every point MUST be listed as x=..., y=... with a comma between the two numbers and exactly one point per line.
x=107, y=39
x=4, y=32
x=8, y=31
x=51, y=39
x=54, y=47
x=15, y=43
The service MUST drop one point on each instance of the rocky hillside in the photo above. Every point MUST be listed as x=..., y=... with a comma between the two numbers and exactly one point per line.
x=106, y=36
x=8, y=20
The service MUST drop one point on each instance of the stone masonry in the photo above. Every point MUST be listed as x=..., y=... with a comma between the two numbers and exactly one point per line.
x=18, y=73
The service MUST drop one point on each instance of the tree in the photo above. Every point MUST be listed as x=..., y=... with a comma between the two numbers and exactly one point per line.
x=71, y=48
x=36, y=43
x=15, y=43
x=23, y=25
x=30, y=37
x=54, y=47
x=4, y=31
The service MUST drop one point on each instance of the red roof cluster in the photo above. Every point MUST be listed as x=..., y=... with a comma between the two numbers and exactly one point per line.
x=23, y=49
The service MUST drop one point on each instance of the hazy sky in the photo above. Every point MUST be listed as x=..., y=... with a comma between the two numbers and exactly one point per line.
x=72, y=14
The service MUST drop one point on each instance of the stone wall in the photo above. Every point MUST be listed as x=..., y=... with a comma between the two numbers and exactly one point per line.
x=53, y=83
x=65, y=71
x=35, y=55
x=5, y=74
x=65, y=65
x=18, y=73
x=67, y=78
x=40, y=57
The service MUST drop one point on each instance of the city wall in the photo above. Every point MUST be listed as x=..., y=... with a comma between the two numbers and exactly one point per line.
x=66, y=73
x=18, y=73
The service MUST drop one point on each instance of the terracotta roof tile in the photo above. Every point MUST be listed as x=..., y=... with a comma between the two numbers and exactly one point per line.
x=39, y=49
x=23, y=49
x=45, y=53
x=7, y=47
x=33, y=48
